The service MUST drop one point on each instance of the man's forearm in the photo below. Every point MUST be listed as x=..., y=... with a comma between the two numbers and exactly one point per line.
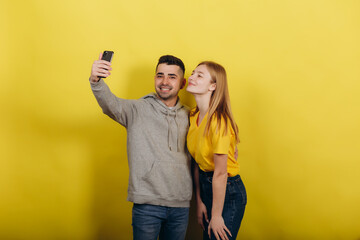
x=105, y=98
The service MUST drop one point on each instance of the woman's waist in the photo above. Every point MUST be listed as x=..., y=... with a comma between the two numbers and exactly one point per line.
x=210, y=174
x=232, y=170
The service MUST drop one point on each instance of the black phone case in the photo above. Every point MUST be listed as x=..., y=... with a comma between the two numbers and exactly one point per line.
x=107, y=56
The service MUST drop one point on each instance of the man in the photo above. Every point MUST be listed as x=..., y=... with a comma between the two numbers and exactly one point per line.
x=160, y=184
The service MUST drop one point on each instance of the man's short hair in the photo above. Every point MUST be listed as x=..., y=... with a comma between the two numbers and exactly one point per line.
x=171, y=60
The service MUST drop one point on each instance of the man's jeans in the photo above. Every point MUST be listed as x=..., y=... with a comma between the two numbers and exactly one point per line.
x=150, y=221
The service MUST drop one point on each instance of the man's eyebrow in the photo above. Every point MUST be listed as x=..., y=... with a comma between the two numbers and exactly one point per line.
x=159, y=73
x=172, y=74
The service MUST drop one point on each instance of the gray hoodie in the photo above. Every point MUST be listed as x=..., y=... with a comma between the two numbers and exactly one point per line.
x=158, y=159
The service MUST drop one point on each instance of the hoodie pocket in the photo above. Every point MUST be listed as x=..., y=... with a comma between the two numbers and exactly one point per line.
x=168, y=180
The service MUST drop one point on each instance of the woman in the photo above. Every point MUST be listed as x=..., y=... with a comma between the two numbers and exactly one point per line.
x=211, y=140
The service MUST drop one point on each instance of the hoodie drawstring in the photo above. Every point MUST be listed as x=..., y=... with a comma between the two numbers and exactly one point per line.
x=168, y=121
x=173, y=147
x=177, y=132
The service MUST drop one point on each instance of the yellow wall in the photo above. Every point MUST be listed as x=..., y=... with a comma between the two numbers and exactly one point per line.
x=294, y=76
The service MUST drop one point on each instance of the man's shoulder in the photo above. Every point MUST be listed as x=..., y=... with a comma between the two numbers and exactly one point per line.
x=150, y=96
x=140, y=101
x=186, y=108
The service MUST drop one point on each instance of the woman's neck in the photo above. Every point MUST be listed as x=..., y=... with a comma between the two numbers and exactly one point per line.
x=202, y=102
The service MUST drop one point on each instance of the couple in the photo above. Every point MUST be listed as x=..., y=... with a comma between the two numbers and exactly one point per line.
x=158, y=141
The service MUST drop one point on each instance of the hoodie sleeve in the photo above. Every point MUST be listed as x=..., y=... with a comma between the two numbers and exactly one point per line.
x=121, y=110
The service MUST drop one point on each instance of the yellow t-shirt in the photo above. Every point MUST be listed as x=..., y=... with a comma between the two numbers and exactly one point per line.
x=202, y=148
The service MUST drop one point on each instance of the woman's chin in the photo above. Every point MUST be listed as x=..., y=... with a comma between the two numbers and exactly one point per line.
x=189, y=90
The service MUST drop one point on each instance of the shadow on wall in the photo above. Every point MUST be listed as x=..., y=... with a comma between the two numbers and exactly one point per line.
x=111, y=211
x=66, y=183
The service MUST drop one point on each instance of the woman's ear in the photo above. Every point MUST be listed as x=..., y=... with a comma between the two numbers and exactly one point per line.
x=212, y=87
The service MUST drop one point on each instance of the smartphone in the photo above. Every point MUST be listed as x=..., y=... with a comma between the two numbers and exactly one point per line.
x=107, y=55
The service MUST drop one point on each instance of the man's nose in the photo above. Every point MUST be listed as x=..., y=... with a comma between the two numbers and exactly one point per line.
x=165, y=80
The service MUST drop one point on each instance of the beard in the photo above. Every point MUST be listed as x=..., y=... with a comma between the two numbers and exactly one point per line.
x=165, y=95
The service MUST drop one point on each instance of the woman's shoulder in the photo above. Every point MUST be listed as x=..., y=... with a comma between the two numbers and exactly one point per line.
x=221, y=121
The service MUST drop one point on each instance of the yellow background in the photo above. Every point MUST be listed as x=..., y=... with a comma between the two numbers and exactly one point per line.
x=294, y=76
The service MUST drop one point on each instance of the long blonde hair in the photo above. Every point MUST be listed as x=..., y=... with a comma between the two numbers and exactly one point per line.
x=219, y=106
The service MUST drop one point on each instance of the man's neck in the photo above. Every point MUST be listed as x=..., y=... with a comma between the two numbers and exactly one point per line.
x=169, y=102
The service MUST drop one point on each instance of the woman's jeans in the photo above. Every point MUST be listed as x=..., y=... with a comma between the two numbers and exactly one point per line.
x=234, y=204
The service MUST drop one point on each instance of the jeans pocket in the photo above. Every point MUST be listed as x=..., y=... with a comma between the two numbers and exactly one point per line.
x=206, y=185
x=240, y=187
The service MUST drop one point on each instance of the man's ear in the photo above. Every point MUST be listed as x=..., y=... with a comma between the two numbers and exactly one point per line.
x=183, y=83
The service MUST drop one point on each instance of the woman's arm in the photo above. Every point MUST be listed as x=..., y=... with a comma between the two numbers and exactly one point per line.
x=201, y=208
x=217, y=224
x=219, y=184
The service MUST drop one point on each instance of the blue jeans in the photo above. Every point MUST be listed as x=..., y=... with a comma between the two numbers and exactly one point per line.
x=151, y=221
x=234, y=204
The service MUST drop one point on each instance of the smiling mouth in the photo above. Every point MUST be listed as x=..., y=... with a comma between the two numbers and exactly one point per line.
x=165, y=88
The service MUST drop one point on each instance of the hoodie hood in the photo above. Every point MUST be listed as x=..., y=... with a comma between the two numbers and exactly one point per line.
x=171, y=115
x=162, y=106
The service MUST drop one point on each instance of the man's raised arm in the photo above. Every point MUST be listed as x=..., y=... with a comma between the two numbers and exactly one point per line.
x=116, y=108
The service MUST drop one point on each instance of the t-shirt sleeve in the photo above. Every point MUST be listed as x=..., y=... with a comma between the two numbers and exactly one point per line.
x=220, y=141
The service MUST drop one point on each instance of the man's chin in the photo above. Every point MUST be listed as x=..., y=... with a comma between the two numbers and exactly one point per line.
x=164, y=96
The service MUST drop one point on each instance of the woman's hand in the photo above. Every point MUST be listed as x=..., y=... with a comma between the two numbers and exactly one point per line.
x=218, y=227
x=200, y=212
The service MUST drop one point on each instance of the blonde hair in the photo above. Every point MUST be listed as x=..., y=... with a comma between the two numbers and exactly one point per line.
x=219, y=106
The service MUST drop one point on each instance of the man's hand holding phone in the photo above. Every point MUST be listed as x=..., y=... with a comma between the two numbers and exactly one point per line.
x=101, y=68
